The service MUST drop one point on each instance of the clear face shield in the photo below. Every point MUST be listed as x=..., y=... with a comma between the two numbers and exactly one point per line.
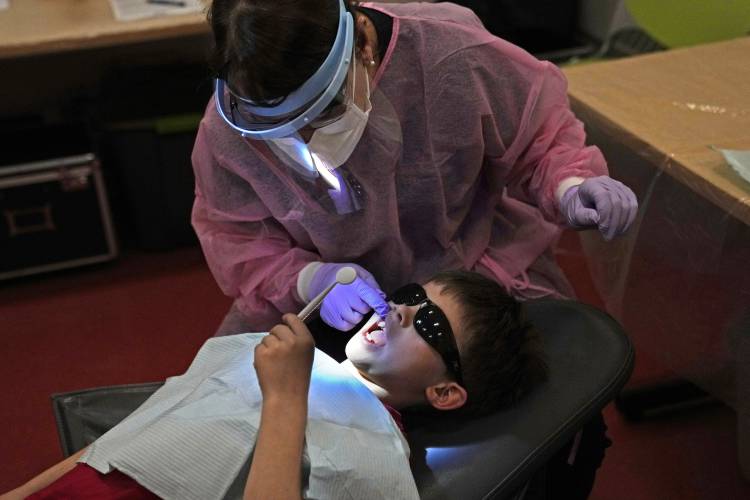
x=333, y=135
x=325, y=104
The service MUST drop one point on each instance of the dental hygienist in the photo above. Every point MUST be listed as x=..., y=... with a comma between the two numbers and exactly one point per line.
x=400, y=138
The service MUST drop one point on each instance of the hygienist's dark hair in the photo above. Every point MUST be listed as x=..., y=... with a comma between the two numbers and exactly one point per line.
x=265, y=49
x=503, y=358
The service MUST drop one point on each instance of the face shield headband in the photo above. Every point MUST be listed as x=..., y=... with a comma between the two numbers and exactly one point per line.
x=301, y=107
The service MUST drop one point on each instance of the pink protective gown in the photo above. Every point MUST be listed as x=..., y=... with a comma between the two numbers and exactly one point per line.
x=467, y=136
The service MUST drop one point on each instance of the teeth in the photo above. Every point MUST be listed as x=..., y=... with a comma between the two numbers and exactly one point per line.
x=368, y=335
x=372, y=331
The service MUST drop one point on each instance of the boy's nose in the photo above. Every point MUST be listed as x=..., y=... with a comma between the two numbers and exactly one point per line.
x=403, y=313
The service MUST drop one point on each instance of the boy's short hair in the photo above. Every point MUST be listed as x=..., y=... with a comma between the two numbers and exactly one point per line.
x=503, y=358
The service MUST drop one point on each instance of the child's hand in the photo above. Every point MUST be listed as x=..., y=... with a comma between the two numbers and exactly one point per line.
x=283, y=361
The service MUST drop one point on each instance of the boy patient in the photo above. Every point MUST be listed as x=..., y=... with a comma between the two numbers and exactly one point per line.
x=299, y=424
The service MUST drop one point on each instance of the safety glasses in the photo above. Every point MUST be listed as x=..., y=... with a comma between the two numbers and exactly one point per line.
x=432, y=325
x=335, y=110
x=241, y=113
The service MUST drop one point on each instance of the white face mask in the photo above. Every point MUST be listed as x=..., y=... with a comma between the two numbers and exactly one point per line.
x=335, y=143
x=332, y=145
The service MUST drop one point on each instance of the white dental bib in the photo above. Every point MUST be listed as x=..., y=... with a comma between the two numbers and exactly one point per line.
x=193, y=437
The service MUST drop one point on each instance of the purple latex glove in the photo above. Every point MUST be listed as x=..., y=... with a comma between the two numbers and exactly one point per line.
x=346, y=305
x=600, y=202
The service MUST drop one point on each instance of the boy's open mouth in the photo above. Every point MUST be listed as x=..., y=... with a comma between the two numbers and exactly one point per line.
x=373, y=332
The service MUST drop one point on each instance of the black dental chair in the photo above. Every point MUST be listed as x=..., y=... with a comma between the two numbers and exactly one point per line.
x=590, y=359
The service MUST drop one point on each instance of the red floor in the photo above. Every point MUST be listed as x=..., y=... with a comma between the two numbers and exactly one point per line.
x=137, y=320
x=143, y=318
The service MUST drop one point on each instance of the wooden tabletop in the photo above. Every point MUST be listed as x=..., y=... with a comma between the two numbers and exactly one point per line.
x=31, y=27
x=670, y=107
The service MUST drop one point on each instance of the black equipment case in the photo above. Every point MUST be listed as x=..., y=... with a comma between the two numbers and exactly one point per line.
x=54, y=214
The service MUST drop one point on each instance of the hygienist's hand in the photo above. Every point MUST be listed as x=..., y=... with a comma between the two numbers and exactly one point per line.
x=283, y=361
x=346, y=305
x=600, y=202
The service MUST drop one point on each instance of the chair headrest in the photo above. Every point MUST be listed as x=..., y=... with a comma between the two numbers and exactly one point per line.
x=590, y=358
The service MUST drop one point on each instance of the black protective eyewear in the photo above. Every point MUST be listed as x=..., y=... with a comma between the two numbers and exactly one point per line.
x=432, y=325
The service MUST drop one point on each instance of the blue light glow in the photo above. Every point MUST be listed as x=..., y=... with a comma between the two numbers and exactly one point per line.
x=438, y=458
x=325, y=171
x=303, y=154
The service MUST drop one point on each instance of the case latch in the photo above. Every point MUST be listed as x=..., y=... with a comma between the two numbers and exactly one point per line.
x=29, y=220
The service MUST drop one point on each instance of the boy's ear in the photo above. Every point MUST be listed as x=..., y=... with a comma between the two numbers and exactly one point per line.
x=446, y=396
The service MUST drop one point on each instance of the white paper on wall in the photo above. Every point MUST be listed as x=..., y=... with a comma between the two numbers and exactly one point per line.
x=130, y=10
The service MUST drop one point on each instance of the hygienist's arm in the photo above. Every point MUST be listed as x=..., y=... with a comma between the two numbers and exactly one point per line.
x=44, y=479
x=252, y=256
x=283, y=361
